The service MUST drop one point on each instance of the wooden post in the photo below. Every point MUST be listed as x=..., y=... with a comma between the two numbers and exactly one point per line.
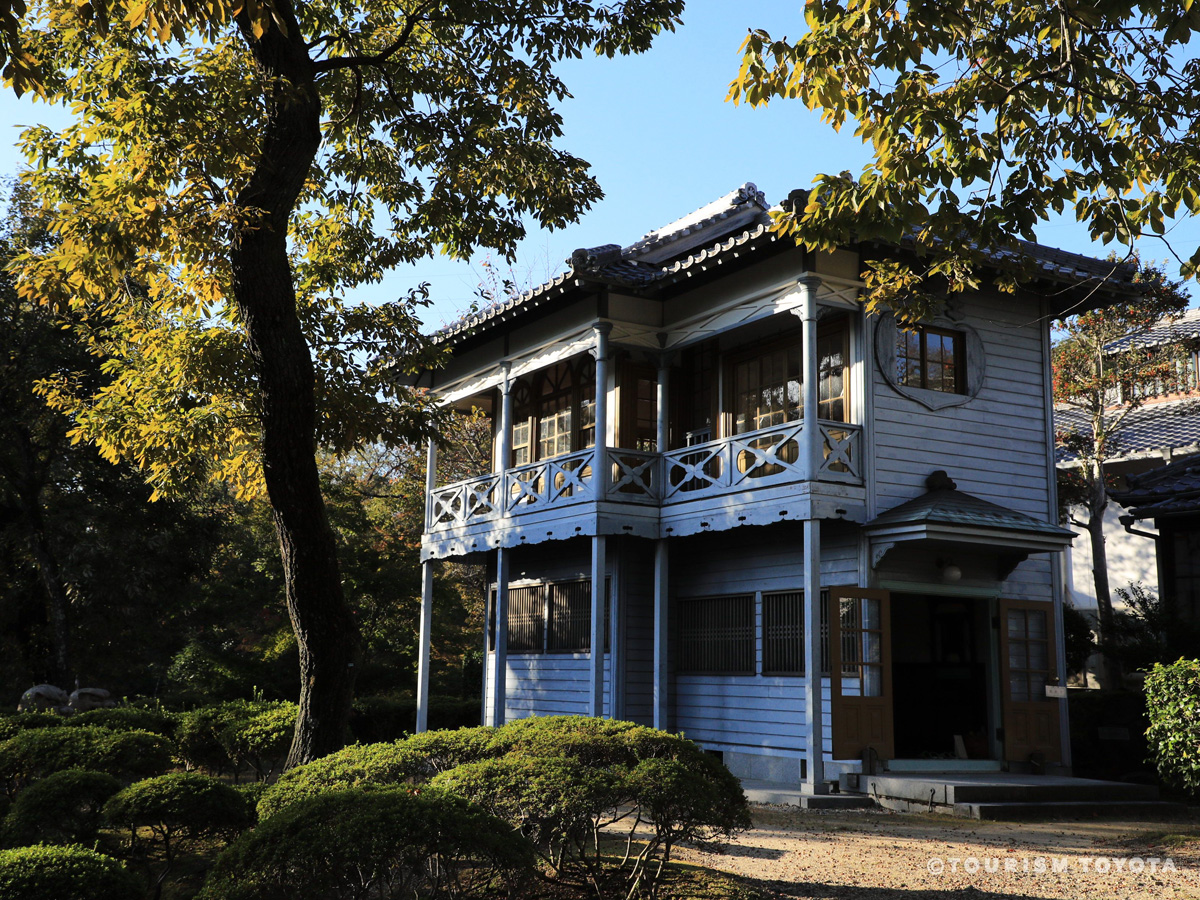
x=504, y=435
x=596, y=697
x=661, y=597
x=600, y=472
x=810, y=369
x=500, y=654
x=661, y=605
x=426, y=600
x=814, y=754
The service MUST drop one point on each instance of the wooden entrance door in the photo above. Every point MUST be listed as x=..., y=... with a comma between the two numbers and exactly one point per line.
x=1028, y=663
x=860, y=667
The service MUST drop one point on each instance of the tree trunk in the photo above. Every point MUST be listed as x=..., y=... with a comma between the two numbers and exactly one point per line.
x=1110, y=674
x=263, y=289
x=58, y=668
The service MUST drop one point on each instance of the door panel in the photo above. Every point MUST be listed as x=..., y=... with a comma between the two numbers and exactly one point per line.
x=1028, y=662
x=860, y=666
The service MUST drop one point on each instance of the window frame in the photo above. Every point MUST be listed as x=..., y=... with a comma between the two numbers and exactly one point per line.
x=580, y=395
x=544, y=626
x=923, y=330
x=747, y=654
x=793, y=339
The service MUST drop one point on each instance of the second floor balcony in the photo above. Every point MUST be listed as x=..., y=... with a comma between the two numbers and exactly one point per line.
x=754, y=423
x=717, y=484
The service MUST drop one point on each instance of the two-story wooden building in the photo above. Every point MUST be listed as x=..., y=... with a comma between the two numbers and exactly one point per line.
x=703, y=444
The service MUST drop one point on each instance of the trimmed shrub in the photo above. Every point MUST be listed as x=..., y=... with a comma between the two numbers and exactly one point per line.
x=63, y=873
x=372, y=844
x=443, y=750
x=370, y=765
x=11, y=726
x=179, y=806
x=62, y=808
x=556, y=802
x=36, y=753
x=129, y=718
x=562, y=779
x=229, y=737
x=1173, y=707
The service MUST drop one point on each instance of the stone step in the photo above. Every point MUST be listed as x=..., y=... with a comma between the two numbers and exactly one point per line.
x=950, y=789
x=789, y=795
x=1024, y=812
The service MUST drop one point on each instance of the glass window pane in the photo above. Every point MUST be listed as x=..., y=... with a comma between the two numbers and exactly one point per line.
x=1037, y=656
x=1016, y=623
x=872, y=682
x=1017, y=656
x=870, y=613
x=1037, y=623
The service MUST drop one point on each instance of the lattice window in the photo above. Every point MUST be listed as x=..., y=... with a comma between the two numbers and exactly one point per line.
x=526, y=619
x=783, y=633
x=716, y=634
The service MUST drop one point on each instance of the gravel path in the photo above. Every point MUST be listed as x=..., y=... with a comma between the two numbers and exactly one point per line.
x=795, y=853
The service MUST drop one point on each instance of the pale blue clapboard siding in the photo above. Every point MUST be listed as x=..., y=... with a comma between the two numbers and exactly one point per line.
x=995, y=445
x=637, y=585
x=750, y=712
x=552, y=684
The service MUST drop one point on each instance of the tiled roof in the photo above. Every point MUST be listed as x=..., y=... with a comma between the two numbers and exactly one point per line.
x=1169, y=490
x=944, y=504
x=1186, y=328
x=1147, y=429
x=710, y=235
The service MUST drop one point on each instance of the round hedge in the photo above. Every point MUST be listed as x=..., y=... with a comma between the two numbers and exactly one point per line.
x=64, y=873
x=357, y=766
x=129, y=718
x=334, y=844
x=36, y=753
x=63, y=808
x=184, y=804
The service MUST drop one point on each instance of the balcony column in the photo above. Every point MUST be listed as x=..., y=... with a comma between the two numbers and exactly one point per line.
x=426, y=602
x=500, y=652
x=600, y=352
x=504, y=435
x=596, y=655
x=814, y=754
x=661, y=593
x=811, y=437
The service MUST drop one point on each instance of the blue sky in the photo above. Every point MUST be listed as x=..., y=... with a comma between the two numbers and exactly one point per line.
x=662, y=141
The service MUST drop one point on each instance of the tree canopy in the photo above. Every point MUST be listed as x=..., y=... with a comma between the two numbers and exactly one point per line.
x=233, y=171
x=985, y=117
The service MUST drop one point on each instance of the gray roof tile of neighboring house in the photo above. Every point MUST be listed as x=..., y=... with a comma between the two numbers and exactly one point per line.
x=1171, y=490
x=1186, y=328
x=713, y=232
x=944, y=504
x=1148, y=429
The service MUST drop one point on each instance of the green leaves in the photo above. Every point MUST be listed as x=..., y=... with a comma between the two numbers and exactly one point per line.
x=987, y=116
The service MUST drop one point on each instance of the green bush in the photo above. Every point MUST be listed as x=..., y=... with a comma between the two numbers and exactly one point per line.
x=179, y=806
x=387, y=843
x=443, y=750
x=63, y=873
x=563, y=779
x=239, y=734
x=36, y=753
x=62, y=808
x=1173, y=707
x=11, y=726
x=129, y=718
x=369, y=765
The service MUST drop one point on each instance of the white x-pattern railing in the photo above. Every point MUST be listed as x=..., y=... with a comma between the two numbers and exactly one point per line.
x=768, y=456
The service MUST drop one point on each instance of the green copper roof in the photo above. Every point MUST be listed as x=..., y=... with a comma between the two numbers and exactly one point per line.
x=943, y=504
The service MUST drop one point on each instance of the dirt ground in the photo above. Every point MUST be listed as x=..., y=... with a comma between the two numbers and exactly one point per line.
x=860, y=855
